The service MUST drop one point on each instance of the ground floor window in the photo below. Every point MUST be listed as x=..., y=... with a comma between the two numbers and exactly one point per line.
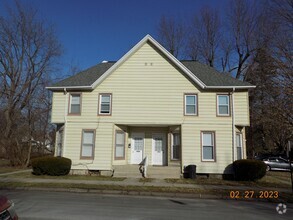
x=175, y=155
x=120, y=145
x=239, y=146
x=88, y=144
x=208, y=145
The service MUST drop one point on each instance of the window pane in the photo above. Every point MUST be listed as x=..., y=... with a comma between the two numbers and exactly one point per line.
x=190, y=100
x=105, y=108
x=119, y=151
x=223, y=110
x=75, y=109
x=87, y=151
x=223, y=99
x=176, y=139
x=138, y=144
x=105, y=99
x=207, y=139
x=238, y=140
x=208, y=153
x=158, y=144
x=88, y=137
x=120, y=138
x=239, y=153
x=176, y=151
x=75, y=99
x=190, y=109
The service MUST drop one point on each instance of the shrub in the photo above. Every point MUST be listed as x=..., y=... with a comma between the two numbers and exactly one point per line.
x=249, y=170
x=52, y=166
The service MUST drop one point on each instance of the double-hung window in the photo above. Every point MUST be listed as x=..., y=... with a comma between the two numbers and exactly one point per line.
x=208, y=145
x=223, y=105
x=75, y=104
x=190, y=106
x=176, y=147
x=87, y=144
x=105, y=104
x=239, y=146
x=120, y=145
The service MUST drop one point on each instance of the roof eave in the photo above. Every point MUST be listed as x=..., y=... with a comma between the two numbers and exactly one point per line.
x=230, y=87
x=61, y=88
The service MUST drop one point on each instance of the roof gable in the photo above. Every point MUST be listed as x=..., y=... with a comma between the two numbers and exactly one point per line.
x=205, y=77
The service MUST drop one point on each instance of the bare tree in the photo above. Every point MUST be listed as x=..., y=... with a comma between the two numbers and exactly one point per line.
x=28, y=51
x=206, y=29
x=242, y=22
x=172, y=35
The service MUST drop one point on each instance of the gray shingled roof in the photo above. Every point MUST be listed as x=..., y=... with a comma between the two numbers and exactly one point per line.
x=211, y=77
x=208, y=75
x=86, y=77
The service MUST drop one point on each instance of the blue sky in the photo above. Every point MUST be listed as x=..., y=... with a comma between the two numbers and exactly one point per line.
x=92, y=30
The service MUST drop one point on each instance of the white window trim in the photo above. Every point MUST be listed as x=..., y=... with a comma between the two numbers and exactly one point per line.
x=185, y=104
x=110, y=104
x=202, y=146
x=172, y=145
x=218, y=105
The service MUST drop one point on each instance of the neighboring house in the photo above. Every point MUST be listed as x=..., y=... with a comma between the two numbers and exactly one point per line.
x=148, y=103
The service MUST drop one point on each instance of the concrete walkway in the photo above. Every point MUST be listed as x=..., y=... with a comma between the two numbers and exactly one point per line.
x=135, y=182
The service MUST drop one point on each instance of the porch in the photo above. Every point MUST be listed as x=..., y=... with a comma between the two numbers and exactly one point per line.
x=160, y=144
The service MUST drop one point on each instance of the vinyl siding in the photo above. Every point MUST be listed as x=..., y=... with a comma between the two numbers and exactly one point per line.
x=103, y=142
x=59, y=105
x=241, y=108
x=148, y=91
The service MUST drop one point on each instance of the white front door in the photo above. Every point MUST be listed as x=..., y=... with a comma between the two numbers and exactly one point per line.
x=159, y=149
x=137, y=148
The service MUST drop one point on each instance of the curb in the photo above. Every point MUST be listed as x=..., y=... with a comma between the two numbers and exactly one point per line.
x=122, y=192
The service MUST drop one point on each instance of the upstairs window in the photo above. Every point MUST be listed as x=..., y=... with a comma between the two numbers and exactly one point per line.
x=75, y=103
x=190, y=107
x=223, y=105
x=105, y=102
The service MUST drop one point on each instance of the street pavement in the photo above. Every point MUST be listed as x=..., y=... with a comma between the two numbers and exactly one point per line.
x=43, y=205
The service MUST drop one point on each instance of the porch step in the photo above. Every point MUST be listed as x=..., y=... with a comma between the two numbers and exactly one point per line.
x=156, y=172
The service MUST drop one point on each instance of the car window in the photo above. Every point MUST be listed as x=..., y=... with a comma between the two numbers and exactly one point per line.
x=273, y=160
x=282, y=161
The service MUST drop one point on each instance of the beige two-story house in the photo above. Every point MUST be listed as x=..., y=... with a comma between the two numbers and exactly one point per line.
x=149, y=105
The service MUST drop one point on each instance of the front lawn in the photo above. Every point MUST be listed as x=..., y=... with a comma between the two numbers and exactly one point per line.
x=6, y=168
x=271, y=179
x=68, y=177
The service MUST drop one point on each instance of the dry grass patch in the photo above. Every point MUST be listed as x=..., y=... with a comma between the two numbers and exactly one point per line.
x=67, y=177
x=271, y=179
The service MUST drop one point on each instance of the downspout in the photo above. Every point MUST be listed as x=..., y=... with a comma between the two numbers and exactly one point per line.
x=65, y=120
x=233, y=126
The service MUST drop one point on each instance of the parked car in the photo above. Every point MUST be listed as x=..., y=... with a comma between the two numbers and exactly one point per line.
x=277, y=163
x=7, y=211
